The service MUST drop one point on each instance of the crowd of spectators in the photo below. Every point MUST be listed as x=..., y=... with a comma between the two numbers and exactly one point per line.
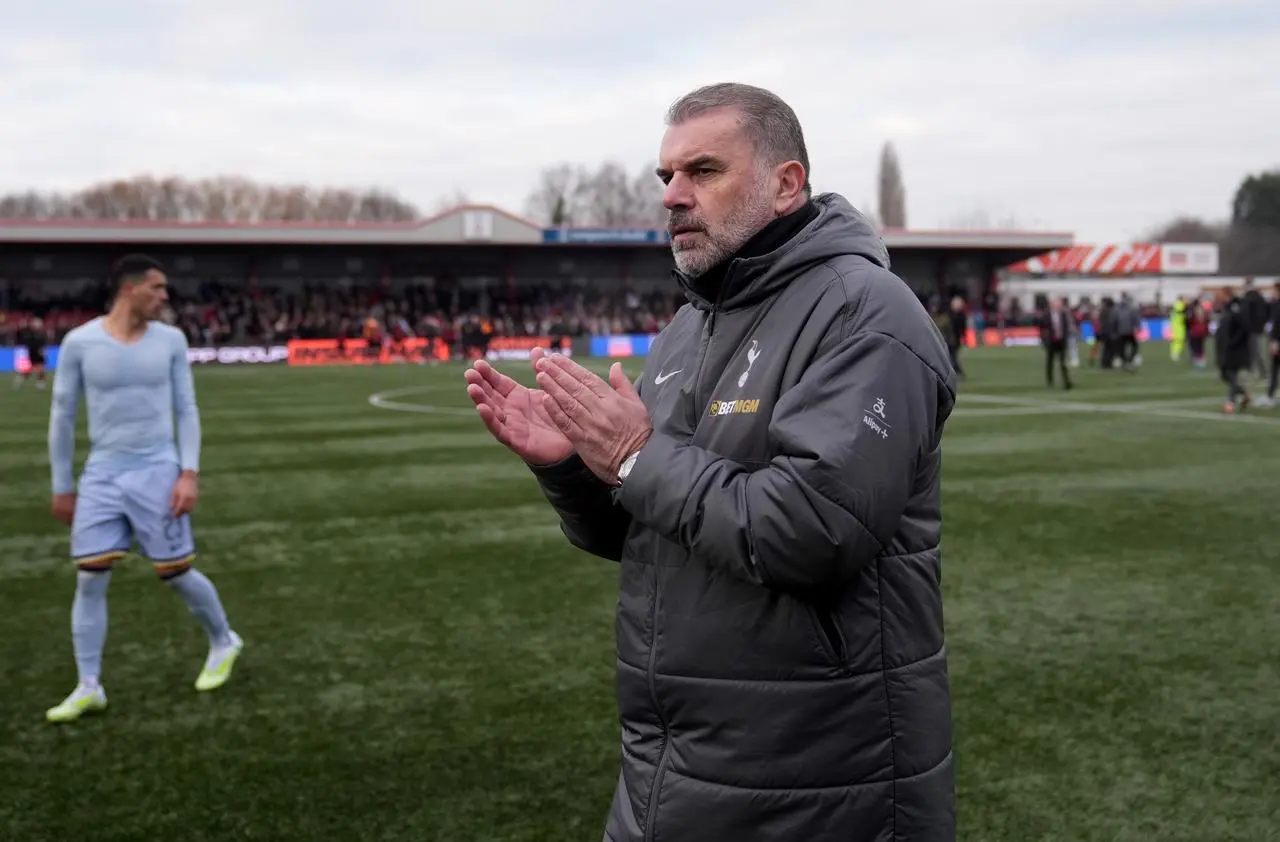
x=225, y=314
x=214, y=313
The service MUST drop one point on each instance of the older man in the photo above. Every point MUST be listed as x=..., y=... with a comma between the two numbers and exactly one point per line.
x=771, y=489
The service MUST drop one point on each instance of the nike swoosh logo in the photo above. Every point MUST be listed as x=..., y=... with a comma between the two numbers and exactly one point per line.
x=658, y=380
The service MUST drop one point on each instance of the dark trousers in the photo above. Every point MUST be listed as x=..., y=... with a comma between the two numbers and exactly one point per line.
x=1109, y=345
x=1258, y=354
x=1056, y=350
x=1231, y=377
x=955, y=359
x=1275, y=375
x=1128, y=349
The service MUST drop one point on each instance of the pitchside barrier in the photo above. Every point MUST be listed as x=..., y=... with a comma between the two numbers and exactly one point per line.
x=311, y=352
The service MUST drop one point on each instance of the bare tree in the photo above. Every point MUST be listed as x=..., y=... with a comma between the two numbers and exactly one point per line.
x=552, y=201
x=606, y=196
x=893, y=193
x=646, y=199
x=573, y=195
x=221, y=198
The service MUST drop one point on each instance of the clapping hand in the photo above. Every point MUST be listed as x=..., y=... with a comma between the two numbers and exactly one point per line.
x=515, y=415
x=604, y=422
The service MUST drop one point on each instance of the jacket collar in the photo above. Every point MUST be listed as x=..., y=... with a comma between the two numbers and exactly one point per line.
x=743, y=277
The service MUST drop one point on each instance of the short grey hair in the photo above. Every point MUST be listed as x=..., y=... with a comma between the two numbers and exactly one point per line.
x=770, y=124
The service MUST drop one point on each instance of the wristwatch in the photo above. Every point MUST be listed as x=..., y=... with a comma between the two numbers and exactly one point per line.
x=624, y=470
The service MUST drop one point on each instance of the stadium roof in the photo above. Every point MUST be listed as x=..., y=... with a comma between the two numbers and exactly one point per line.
x=463, y=225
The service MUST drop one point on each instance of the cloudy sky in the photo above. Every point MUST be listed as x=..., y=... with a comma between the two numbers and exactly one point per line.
x=1100, y=118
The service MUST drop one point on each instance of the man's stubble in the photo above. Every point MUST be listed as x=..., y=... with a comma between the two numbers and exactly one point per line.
x=718, y=244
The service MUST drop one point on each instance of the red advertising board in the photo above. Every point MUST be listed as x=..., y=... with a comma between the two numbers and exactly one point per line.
x=417, y=349
x=358, y=352
x=1007, y=336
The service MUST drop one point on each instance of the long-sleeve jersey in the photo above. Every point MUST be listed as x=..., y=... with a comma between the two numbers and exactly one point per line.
x=134, y=392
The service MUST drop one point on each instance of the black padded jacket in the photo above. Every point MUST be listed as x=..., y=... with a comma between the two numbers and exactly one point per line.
x=782, y=673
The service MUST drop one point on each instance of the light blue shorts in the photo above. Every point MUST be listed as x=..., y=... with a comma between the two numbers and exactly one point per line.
x=115, y=507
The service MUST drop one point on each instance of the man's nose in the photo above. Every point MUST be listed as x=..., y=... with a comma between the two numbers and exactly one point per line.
x=678, y=194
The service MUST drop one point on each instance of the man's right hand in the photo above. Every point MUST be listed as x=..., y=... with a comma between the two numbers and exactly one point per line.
x=64, y=507
x=514, y=414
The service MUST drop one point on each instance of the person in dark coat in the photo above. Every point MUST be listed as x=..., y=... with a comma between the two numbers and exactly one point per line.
x=1256, y=311
x=1232, y=341
x=1106, y=332
x=1057, y=326
x=771, y=490
x=1273, y=345
x=957, y=328
x=1128, y=322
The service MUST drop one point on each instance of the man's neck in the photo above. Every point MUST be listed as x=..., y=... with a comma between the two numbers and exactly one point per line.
x=124, y=324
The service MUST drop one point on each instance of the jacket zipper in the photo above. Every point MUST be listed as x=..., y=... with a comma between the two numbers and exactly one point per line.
x=707, y=330
x=652, y=810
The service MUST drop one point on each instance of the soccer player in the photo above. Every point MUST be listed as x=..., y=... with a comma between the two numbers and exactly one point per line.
x=137, y=481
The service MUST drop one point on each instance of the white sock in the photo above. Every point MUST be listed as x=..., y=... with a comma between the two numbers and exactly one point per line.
x=202, y=599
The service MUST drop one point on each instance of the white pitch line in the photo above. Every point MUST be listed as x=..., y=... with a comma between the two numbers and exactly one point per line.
x=1005, y=411
x=1161, y=409
x=380, y=400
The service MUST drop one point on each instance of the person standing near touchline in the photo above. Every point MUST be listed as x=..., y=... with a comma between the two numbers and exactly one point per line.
x=771, y=489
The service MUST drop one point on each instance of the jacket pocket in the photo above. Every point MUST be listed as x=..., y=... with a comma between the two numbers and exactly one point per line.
x=826, y=625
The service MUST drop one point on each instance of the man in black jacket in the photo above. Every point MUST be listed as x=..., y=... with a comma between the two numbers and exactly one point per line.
x=1233, y=339
x=1057, y=326
x=1273, y=345
x=771, y=489
x=957, y=329
x=1254, y=309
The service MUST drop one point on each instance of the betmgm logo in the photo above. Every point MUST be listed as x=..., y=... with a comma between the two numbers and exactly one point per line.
x=741, y=406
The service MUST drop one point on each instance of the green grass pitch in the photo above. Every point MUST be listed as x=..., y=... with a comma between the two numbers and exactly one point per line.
x=428, y=659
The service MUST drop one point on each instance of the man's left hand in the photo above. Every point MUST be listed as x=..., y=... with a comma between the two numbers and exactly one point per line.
x=606, y=422
x=185, y=493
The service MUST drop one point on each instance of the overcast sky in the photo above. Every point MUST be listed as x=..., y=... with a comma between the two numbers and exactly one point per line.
x=1099, y=118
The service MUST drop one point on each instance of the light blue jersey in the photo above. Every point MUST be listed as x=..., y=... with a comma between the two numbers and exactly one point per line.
x=134, y=393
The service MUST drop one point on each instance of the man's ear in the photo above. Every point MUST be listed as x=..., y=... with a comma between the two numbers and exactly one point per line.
x=791, y=180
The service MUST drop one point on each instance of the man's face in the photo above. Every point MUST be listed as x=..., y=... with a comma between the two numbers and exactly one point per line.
x=716, y=194
x=147, y=296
